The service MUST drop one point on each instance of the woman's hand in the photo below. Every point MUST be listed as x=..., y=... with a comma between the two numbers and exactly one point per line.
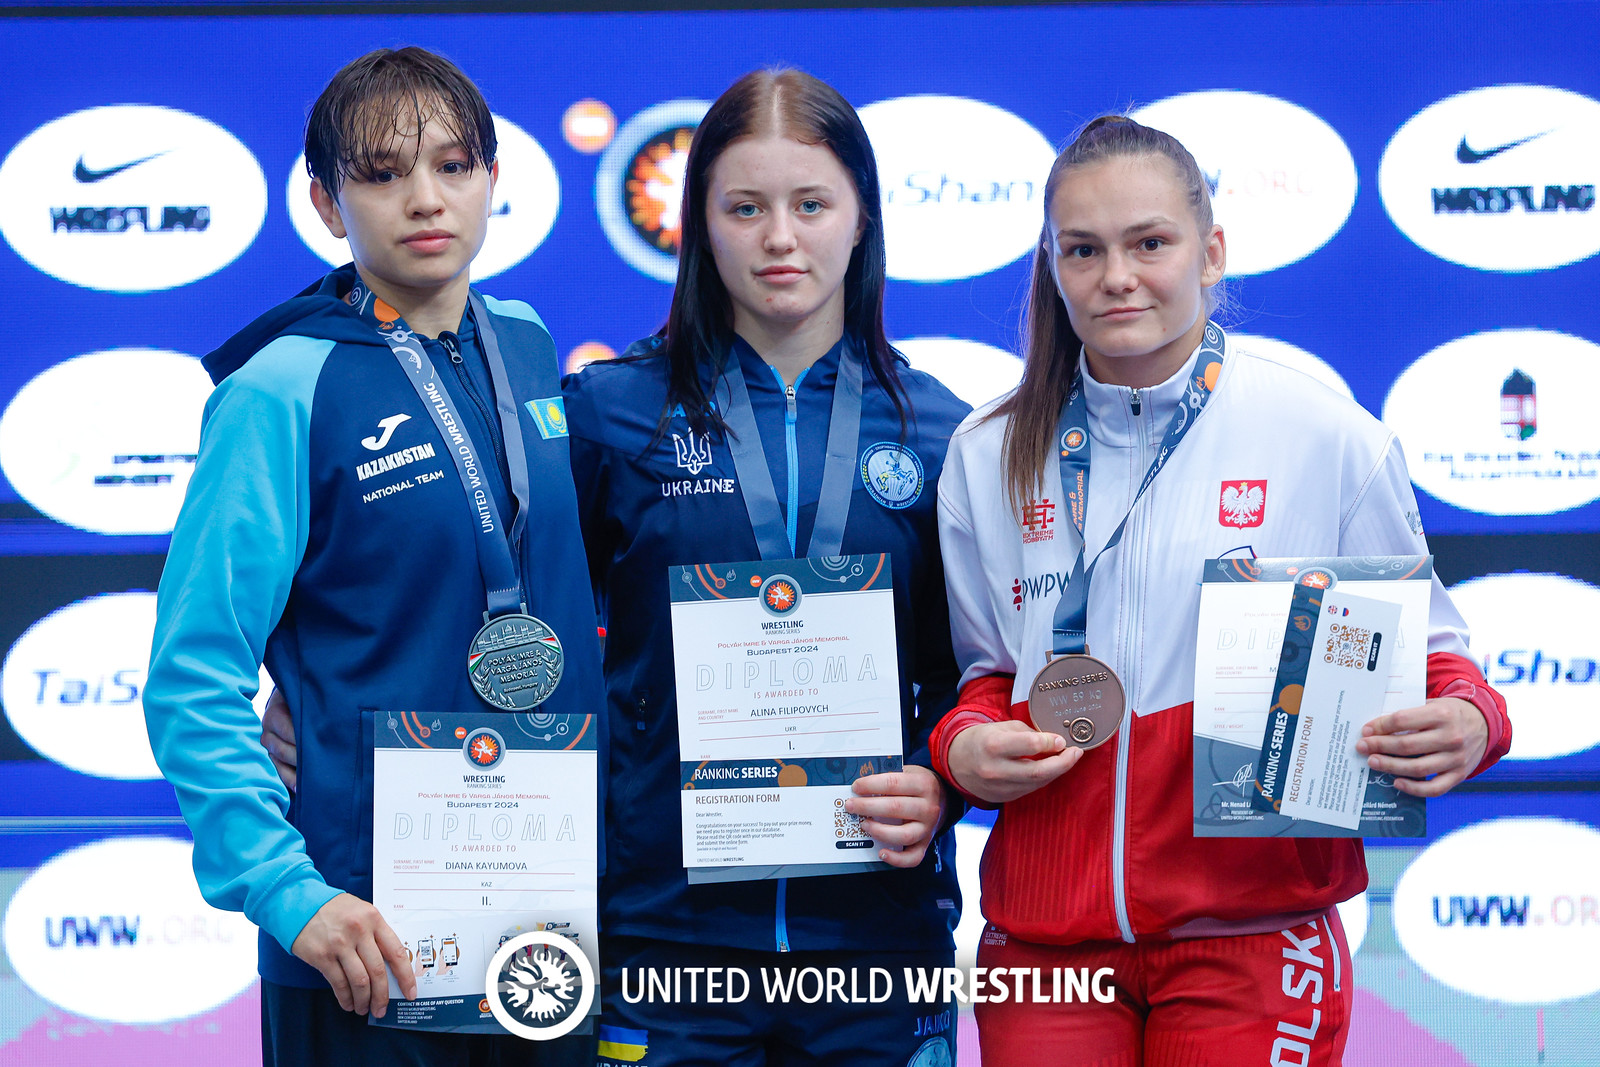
x=1001, y=761
x=277, y=737
x=1445, y=738
x=913, y=798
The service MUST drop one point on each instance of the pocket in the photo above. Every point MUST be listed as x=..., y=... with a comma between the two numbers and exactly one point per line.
x=360, y=864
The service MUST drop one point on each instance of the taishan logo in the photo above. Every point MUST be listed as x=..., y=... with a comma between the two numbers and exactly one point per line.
x=131, y=198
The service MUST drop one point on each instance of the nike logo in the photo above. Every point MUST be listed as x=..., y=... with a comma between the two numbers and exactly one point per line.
x=1467, y=155
x=85, y=175
x=373, y=444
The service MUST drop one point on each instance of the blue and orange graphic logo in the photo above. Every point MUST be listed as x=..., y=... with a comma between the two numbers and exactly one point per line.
x=484, y=748
x=779, y=595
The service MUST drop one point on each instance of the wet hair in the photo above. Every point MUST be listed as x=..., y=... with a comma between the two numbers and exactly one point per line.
x=384, y=96
x=699, y=328
x=1050, y=345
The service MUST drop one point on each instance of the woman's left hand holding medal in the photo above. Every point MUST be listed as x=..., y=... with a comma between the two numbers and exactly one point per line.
x=1001, y=761
x=913, y=798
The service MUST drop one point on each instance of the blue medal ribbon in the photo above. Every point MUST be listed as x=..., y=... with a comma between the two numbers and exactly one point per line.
x=495, y=559
x=1072, y=610
x=755, y=479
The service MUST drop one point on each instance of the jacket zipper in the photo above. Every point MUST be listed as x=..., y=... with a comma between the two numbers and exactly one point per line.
x=1119, y=832
x=791, y=447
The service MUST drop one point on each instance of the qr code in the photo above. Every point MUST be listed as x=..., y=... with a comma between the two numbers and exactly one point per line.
x=845, y=825
x=1348, y=646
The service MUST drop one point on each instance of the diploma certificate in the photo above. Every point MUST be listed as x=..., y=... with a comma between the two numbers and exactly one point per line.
x=485, y=827
x=1244, y=612
x=788, y=691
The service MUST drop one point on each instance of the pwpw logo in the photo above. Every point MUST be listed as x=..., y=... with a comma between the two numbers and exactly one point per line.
x=1243, y=504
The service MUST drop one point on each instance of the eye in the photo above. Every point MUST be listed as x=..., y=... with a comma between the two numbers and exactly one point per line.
x=1152, y=244
x=745, y=211
x=1079, y=251
x=456, y=166
x=811, y=207
x=383, y=177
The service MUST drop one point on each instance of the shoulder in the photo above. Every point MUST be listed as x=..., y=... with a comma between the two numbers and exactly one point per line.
x=1287, y=395
x=936, y=408
x=513, y=309
x=618, y=399
x=285, y=370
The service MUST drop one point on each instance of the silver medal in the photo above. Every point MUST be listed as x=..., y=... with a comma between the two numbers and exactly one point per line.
x=515, y=662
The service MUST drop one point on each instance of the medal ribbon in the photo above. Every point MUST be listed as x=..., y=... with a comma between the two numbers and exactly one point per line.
x=1072, y=610
x=495, y=559
x=755, y=479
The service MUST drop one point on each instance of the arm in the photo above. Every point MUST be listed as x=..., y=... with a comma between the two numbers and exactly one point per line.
x=235, y=549
x=1462, y=729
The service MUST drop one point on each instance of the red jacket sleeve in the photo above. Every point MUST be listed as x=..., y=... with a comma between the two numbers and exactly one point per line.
x=985, y=699
x=1450, y=675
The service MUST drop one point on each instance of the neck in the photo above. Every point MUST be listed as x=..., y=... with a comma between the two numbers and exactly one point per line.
x=788, y=348
x=1153, y=368
x=429, y=312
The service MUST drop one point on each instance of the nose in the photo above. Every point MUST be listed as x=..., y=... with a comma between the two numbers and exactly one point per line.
x=1120, y=274
x=778, y=237
x=425, y=193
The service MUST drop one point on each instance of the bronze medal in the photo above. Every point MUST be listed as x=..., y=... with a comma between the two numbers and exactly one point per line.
x=1079, y=697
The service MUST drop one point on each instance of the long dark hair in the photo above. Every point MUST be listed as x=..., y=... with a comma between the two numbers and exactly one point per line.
x=699, y=327
x=1050, y=345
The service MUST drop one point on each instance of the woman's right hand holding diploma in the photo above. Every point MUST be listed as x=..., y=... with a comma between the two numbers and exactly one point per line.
x=1001, y=761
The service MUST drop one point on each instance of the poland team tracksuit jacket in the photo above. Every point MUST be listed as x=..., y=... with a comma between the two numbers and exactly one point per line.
x=352, y=570
x=1107, y=851
x=652, y=503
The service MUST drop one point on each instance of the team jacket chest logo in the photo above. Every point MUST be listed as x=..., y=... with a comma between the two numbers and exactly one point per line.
x=374, y=444
x=694, y=455
x=1038, y=521
x=1243, y=504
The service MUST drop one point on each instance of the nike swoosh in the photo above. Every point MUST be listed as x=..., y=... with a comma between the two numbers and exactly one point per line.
x=85, y=175
x=1467, y=155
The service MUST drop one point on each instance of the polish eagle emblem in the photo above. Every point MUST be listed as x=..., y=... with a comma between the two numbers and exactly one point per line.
x=1243, y=503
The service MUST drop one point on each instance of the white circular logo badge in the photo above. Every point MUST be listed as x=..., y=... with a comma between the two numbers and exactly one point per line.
x=73, y=685
x=975, y=372
x=1282, y=180
x=527, y=198
x=962, y=183
x=1500, y=422
x=1505, y=910
x=1537, y=638
x=638, y=186
x=131, y=198
x=107, y=442
x=117, y=930
x=1498, y=179
x=540, y=985
x=1285, y=354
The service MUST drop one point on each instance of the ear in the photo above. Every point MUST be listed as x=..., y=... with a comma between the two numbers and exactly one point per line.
x=327, y=208
x=494, y=176
x=1216, y=254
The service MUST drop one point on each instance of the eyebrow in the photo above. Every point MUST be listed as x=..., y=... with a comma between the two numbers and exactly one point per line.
x=804, y=190
x=1152, y=223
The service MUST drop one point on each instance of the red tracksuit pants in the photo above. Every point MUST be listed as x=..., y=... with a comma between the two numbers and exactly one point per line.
x=1279, y=999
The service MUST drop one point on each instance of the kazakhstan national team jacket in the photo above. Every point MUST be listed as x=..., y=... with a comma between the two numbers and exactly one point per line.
x=1276, y=464
x=650, y=504
x=326, y=530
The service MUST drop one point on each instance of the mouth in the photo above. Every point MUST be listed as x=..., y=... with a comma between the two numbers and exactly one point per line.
x=429, y=240
x=1121, y=314
x=780, y=274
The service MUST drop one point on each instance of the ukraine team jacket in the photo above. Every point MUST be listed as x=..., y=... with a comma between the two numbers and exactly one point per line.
x=1276, y=464
x=649, y=504
x=326, y=531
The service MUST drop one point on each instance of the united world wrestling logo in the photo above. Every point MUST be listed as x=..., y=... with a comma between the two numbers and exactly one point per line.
x=483, y=748
x=779, y=595
x=540, y=985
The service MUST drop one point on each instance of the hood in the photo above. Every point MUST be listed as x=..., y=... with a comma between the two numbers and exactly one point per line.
x=319, y=311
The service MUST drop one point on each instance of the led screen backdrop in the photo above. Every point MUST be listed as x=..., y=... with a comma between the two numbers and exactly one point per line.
x=1408, y=192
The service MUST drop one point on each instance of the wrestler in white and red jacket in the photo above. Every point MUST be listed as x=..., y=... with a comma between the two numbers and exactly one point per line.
x=1276, y=464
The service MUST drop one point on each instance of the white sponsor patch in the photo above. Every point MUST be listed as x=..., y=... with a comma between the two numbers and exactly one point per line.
x=116, y=930
x=962, y=183
x=1537, y=639
x=1506, y=910
x=1500, y=422
x=1282, y=180
x=1500, y=179
x=527, y=198
x=131, y=198
x=975, y=372
x=107, y=441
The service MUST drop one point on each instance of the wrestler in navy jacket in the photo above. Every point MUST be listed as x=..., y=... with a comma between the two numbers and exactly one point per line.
x=326, y=531
x=652, y=501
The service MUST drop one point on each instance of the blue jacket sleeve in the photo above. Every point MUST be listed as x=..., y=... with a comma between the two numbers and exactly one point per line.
x=237, y=543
